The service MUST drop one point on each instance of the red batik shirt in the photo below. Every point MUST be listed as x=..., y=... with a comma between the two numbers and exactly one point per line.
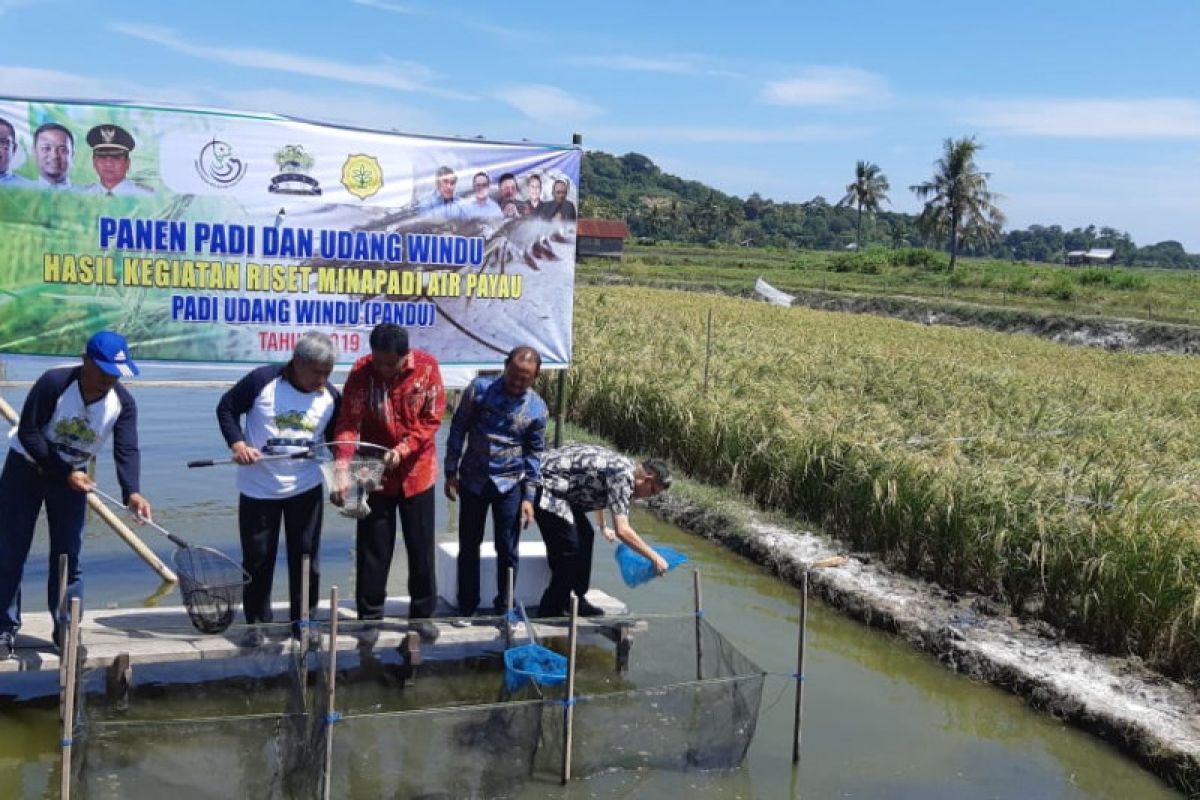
x=403, y=413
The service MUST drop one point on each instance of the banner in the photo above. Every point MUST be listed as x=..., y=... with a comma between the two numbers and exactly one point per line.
x=220, y=237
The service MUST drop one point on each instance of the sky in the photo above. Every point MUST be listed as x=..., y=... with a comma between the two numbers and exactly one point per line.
x=1089, y=112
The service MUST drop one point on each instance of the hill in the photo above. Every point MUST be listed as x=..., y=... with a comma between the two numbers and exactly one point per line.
x=662, y=207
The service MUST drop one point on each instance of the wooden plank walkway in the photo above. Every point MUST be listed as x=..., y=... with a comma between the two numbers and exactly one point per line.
x=165, y=635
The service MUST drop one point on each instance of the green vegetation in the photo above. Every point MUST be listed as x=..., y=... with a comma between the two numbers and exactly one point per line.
x=664, y=208
x=1063, y=482
x=868, y=191
x=958, y=206
x=1144, y=294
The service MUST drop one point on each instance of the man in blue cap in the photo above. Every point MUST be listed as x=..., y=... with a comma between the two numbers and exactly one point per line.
x=69, y=413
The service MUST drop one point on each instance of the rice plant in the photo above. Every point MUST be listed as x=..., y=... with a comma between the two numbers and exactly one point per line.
x=1063, y=481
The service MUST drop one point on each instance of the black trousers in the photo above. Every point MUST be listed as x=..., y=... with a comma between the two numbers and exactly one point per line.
x=569, y=554
x=376, y=542
x=258, y=525
x=506, y=527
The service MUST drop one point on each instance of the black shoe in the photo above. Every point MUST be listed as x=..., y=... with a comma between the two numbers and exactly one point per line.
x=59, y=636
x=6, y=646
x=253, y=637
x=312, y=633
x=586, y=609
x=426, y=630
x=367, y=635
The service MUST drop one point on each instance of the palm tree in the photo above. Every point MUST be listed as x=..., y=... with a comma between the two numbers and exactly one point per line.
x=958, y=204
x=869, y=189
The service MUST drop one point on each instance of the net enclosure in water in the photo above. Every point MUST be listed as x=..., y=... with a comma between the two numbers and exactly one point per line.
x=257, y=724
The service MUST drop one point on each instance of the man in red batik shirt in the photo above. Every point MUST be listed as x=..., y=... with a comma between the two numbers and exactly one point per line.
x=394, y=397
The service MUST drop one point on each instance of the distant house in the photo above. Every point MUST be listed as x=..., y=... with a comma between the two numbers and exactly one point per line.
x=601, y=237
x=1097, y=255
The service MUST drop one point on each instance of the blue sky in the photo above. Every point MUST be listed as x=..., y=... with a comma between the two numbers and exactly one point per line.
x=1089, y=111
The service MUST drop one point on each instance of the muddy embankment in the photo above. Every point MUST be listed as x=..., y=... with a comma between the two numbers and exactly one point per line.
x=1153, y=719
x=1129, y=335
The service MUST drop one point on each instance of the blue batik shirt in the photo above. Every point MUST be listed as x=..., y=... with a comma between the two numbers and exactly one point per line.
x=504, y=435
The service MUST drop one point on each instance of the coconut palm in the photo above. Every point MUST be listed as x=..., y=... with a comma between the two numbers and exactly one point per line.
x=958, y=205
x=869, y=189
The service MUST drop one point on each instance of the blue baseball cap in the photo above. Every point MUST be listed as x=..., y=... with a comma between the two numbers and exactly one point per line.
x=110, y=352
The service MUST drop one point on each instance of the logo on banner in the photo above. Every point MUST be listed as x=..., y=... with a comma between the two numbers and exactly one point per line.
x=293, y=178
x=217, y=166
x=362, y=176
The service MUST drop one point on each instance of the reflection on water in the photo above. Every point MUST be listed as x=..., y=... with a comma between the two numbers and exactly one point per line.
x=881, y=721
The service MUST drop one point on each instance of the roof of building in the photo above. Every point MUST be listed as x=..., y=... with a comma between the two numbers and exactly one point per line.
x=603, y=228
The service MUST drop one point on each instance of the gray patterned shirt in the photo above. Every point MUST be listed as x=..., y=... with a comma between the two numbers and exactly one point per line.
x=585, y=477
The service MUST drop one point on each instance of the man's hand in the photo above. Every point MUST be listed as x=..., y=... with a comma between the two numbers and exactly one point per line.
x=526, y=513
x=140, y=507
x=393, y=457
x=451, y=488
x=609, y=533
x=244, y=454
x=341, y=482
x=80, y=482
x=660, y=564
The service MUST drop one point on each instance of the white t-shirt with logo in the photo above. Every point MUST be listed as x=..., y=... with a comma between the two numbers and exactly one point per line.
x=280, y=419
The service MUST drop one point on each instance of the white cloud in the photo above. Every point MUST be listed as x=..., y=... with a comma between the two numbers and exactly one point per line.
x=538, y=101
x=726, y=133
x=383, y=5
x=1158, y=118
x=827, y=86
x=356, y=110
x=627, y=63
x=11, y=5
x=402, y=76
x=18, y=81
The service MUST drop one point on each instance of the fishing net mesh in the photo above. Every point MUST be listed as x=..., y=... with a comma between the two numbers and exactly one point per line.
x=354, y=472
x=211, y=584
x=258, y=723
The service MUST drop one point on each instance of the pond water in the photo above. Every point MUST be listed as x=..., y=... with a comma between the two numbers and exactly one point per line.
x=881, y=721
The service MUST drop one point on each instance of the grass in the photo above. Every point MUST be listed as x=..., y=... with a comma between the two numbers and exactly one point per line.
x=1061, y=481
x=1147, y=294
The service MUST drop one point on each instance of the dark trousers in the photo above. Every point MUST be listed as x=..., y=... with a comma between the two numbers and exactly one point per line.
x=376, y=542
x=258, y=524
x=569, y=568
x=23, y=490
x=506, y=525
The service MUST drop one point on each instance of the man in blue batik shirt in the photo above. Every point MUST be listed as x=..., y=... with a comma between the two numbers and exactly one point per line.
x=503, y=422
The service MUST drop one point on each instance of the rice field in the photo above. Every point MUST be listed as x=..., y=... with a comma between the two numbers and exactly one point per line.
x=1062, y=481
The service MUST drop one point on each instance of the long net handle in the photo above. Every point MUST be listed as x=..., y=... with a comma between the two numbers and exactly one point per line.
x=212, y=462
x=178, y=542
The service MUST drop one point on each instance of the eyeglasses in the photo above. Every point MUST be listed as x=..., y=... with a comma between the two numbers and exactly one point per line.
x=479, y=185
x=6, y=143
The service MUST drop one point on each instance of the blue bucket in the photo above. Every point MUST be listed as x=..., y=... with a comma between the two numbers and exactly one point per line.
x=532, y=662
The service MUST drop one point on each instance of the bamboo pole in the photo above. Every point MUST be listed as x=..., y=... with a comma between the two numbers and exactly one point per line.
x=68, y=705
x=61, y=612
x=707, y=352
x=305, y=563
x=569, y=707
x=800, y=667
x=508, y=618
x=112, y=520
x=561, y=407
x=699, y=631
x=332, y=682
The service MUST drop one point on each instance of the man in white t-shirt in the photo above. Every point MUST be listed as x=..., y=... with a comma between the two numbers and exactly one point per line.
x=276, y=410
x=68, y=415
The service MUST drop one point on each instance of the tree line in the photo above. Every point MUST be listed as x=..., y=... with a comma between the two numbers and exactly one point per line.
x=960, y=214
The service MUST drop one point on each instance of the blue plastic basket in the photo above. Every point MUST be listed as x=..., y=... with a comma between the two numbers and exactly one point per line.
x=636, y=569
x=532, y=662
